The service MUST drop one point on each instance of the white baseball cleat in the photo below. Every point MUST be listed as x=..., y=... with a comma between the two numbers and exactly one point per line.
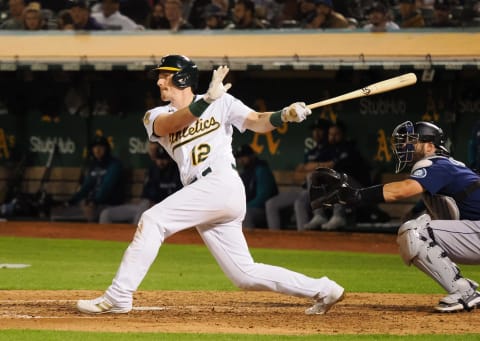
x=100, y=305
x=324, y=304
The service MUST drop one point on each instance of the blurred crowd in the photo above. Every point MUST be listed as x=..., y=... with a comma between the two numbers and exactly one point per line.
x=174, y=15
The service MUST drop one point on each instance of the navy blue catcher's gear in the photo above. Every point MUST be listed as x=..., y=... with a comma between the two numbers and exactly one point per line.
x=185, y=72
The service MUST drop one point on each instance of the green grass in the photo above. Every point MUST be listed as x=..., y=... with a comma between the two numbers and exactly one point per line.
x=59, y=264
x=14, y=335
x=80, y=264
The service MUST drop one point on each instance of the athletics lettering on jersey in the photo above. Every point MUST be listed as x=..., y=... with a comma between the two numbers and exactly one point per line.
x=188, y=134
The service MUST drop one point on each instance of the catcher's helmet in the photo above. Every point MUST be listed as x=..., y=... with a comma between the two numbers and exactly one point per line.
x=407, y=134
x=185, y=72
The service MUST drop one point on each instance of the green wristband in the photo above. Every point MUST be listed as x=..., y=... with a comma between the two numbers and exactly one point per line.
x=276, y=119
x=197, y=108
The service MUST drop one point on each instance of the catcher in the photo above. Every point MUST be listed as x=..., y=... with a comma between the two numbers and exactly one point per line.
x=450, y=230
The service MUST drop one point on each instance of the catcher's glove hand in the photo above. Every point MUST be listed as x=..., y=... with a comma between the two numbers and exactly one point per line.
x=330, y=187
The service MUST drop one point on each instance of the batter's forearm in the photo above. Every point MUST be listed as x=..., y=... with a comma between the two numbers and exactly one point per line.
x=167, y=124
x=259, y=122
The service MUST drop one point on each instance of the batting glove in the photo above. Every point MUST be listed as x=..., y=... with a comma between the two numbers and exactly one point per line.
x=216, y=88
x=295, y=112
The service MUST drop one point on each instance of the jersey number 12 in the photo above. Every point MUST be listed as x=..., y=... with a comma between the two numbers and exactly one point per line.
x=200, y=153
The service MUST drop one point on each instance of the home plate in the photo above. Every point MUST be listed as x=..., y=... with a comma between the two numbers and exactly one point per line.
x=148, y=308
x=14, y=266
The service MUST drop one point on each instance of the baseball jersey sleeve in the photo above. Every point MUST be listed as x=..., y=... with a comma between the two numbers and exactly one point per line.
x=432, y=176
x=238, y=112
x=148, y=120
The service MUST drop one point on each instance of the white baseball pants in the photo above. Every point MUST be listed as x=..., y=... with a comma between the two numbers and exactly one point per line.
x=215, y=204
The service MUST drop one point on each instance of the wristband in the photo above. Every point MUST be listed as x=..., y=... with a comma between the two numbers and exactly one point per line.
x=373, y=194
x=197, y=108
x=276, y=119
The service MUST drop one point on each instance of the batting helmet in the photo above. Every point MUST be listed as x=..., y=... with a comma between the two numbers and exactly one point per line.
x=185, y=72
x=407, y=134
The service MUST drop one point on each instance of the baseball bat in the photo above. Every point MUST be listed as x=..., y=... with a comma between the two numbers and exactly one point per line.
x=372, y=89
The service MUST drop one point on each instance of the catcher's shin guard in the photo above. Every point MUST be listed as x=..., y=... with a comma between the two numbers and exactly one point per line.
x=426, y=255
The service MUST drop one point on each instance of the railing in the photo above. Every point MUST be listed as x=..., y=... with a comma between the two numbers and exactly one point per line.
x=272, y=49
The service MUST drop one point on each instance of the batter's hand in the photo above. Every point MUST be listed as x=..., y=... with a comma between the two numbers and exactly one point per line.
x=216, y=88
x=295, y=112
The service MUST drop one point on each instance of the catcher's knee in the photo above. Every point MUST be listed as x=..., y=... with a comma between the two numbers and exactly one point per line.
x=410, y=240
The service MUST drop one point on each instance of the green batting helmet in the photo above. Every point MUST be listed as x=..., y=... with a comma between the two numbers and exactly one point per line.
x=185, y=72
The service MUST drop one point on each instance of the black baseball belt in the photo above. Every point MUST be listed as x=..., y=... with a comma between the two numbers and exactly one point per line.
x=207, y=171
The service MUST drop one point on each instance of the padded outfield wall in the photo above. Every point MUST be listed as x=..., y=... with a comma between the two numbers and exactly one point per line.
x=67, y=87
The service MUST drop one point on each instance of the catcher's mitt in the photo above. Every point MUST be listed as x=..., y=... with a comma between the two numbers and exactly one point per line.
x=330, y=187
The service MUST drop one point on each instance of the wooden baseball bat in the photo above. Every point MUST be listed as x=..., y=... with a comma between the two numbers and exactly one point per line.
x=372, y=89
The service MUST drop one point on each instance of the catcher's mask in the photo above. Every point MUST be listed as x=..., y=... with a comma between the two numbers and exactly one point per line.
x=407, y=134
x=185, y=72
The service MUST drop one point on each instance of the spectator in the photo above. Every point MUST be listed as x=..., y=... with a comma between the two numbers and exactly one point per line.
x=225, y=5
x=288, y=15
x=351, y=9
x=268, y=10
x=244, y=16
x=15, y=18
x=442, y=15
x=54, y=5
x=111, y=18
x=65, y=20
x=174, y=15
x=346, y=158
x=378, y=19
x=161, y=179
x=410, y=16
x=137, y=10
x=214, y=17
x=157, y=20
x=259, y=185
x=299, y=198
x=353, y=23
x=102, y=185
x=306, y=12
x=32, y=17
x=327, y=17
x=197, y=11
x=82, y=19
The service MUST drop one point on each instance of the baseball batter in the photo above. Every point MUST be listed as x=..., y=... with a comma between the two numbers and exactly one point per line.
x=449, y=233
x=196, y=130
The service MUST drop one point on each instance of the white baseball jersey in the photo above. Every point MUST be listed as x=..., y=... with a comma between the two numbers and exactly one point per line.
x=213, y=201
x=205, y=142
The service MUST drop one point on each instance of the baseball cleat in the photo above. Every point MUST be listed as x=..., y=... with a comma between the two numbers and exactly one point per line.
x=324, y=304
x=100, y=305
x=454, y=303
x=316, y=223
x=335, y=223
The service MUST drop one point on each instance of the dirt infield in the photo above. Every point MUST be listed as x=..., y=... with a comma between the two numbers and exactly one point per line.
x=231, y=312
